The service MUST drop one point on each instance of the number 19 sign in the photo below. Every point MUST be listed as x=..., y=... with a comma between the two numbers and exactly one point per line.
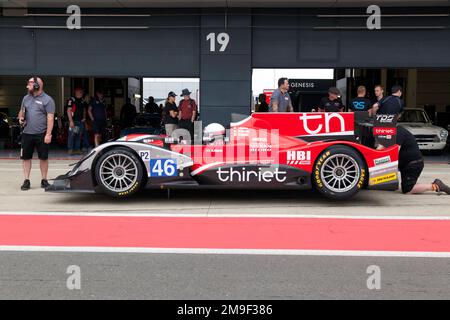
x=222, y=39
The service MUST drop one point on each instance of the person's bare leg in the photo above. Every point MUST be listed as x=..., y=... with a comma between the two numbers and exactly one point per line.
x=421, y=188
x=98, y=138
x=44, y=168
x=26, y=169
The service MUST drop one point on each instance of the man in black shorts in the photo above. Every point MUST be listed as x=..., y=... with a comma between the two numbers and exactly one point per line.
x=410, y=164
x=37, y=115
x=97, y=113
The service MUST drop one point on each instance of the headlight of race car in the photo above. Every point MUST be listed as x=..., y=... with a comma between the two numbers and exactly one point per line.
x=443, y=135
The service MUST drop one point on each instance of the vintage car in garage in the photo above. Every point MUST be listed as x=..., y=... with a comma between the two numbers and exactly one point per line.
x=428, y=136
x=296, y=151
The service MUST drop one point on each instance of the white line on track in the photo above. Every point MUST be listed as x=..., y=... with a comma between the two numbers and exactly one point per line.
x=343, y=253
x=218, y=215
x=36, y=163
x=32, y=169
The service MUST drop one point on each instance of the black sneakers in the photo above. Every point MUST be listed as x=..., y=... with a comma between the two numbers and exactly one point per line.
x=44, y=183
x=26, y=185
x=442, y=186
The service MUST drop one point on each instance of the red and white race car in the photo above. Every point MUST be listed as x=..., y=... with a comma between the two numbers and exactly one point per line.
x=262, y=151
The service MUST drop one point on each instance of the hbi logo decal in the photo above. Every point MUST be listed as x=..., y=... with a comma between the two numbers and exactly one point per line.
x=298, y=157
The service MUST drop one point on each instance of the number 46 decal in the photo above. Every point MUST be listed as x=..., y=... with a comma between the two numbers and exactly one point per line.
x=163, y=167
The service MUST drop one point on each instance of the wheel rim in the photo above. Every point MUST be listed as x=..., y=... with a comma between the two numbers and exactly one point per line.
x=340, y=173
x=118, y=172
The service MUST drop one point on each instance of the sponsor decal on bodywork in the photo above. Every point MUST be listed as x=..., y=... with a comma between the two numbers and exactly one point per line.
x=298, y=157
x=388, y=132
x=144, y=155
x=251, y=175
x=163, y=168
x=382, y=160
x=383, y=171
x=260, y=144
x=325, y=124
x=383, y=179
x=385, y=118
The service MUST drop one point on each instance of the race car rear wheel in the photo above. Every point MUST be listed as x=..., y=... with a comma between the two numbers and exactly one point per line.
x=119, y=173
x=339, y=172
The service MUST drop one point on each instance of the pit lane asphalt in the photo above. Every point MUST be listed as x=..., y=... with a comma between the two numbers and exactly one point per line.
x=42, y=275
x=209, y=202
x=37, y=275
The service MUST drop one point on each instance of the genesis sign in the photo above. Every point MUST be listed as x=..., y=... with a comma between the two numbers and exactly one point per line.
x=310, y=85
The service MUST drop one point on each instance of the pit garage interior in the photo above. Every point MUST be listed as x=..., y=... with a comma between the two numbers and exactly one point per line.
x=121, y=44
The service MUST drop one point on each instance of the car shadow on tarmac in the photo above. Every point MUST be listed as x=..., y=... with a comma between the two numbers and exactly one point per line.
x=230, y=198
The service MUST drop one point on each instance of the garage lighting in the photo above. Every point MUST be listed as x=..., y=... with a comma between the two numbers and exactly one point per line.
x=88, y=15
x=434, y=15
x=385, y=28
x=88, y=27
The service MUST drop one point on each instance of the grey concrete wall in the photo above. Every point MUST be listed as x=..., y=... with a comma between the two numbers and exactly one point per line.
x=168, y=48
x=297, y=38
x=225, y=85
x=175, y=46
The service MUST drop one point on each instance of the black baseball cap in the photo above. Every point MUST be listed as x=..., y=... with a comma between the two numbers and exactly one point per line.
x=172, y=94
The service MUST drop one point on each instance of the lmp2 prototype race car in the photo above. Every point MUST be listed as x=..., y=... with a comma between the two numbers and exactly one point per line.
x=297, y=151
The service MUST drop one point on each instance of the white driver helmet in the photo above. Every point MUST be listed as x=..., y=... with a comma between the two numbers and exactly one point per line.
x=214, y=130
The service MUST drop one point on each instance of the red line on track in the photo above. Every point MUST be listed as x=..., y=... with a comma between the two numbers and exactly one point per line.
x=226, y=233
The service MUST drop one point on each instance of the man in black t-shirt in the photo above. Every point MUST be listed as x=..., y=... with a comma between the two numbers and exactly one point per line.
x=170, y=114
x=151, y=106
x=392, y=104
x=76, y=113
x=332, y=103
x=410, y=165
x=127, y=114
x=361, y=103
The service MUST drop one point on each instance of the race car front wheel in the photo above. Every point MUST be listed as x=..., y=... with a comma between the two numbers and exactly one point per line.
x=119, y=173
x=339, y=172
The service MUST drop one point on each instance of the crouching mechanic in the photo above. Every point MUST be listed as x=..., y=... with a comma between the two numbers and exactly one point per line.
x=37, y=116
x=410, y=164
